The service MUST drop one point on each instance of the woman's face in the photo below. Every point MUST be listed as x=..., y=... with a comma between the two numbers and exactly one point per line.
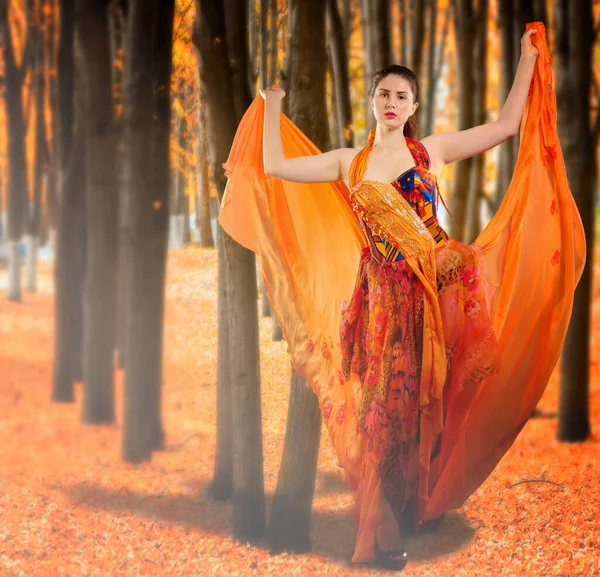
x=393, y=102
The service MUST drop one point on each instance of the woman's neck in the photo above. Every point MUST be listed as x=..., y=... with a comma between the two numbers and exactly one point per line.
x=388, y=141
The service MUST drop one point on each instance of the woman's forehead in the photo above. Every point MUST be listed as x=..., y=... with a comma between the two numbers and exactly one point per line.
x=395, y=83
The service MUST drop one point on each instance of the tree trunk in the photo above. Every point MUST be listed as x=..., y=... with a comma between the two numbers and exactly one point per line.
x=221, y=486
x=69, y=269
x=377, y=42
x=264, y=43
x=431, y=69
x=290, y=516
x=367, y=59
x=273, y=17
x=341, y=80
x=117, y=35
x=418, y=36
x=506, y=151
x=17, y=177
x=102, y=200
x=404, y=38
x=465, y=33
x=51, y=35
x=185, y=211
x=40, y=157
x=476, y=192
x=182, y=209
x=203, y=224
x=227, y=90
x=147, y=122
x=253, y=30
x=574, y=51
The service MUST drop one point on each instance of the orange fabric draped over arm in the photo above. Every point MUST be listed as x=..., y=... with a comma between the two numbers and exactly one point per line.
x=534, y=248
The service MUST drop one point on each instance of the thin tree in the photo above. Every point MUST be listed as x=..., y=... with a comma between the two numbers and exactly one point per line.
x=51, y=39
x=341, y=80
x=418, y=36
x=102, y=222
x=203, y=222
x=579, y=141
x=431, y=66
x=162, y=54
x=476, y=190
x=223, y=68
x=273, y=52
x=506, y=151
x=465, y=33
x=69, y=267
x=34, y=213
x=253, y=44
x=264, y=42
x=435, y=68
x=404, y=32
x=306, y=68
x=14, y=74
x=376, y=15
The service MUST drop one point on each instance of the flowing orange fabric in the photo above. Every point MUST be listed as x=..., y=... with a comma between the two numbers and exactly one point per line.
x=309, y=242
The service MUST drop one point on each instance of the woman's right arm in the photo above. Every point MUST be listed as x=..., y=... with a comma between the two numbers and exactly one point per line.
x=326, y=167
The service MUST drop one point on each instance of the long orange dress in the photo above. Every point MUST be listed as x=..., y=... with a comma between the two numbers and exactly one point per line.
x=426, y=368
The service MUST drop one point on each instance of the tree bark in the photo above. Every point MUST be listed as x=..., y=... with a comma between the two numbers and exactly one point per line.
x=34, y=211
x=69, y=269
x=50, y=36
x=404, y=37
x=253, y=30
x=203, y=224
x=418, y=36
x=223, y=68
x=341, y=79
x=476, y=192
x=102, y=198
x=574, y=53
x=290, y=516
x=147, y=122
x=506, y=151
x=17, y=177
x=264, y=43
x=273, y=17
x=431, y=69
x=157, y=244
x=465, y=32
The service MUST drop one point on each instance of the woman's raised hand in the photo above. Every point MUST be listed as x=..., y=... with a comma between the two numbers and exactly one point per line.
x=528, y=50
x=272, y=93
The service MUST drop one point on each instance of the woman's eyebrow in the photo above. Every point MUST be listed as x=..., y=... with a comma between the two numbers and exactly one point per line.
x=398, y=92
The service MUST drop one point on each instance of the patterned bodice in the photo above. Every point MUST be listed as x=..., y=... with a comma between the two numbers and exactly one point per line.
x=419, y=188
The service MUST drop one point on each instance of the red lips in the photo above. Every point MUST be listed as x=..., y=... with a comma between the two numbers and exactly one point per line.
x=390, y=115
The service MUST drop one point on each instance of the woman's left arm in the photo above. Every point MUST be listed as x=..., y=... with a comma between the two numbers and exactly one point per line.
x=449, y=147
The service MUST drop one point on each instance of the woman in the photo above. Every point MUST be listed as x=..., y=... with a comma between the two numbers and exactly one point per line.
x=428, y=373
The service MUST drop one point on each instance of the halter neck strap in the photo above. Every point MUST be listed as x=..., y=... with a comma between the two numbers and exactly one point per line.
x=418, y=151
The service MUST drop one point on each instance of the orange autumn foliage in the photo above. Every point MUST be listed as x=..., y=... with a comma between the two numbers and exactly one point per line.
x=69, y=506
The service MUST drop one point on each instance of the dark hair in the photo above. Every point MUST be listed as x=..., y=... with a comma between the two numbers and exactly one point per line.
x=410, y=128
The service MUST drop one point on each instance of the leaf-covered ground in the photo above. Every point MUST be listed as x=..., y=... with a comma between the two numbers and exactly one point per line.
x=69, y=506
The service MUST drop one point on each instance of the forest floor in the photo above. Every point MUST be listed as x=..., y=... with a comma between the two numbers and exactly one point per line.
x=69, y=506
